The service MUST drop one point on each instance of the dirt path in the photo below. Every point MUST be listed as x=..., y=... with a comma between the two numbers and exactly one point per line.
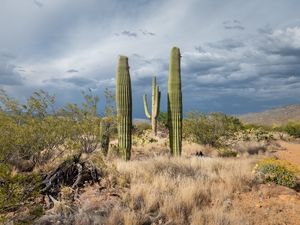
x=291, y=154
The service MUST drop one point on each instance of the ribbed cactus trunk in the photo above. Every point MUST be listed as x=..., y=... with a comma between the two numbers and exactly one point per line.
x=175, y=103
x=155, y=106
x=124, y=108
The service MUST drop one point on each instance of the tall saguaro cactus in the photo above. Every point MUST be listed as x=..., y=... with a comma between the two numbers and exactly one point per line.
x=175, y=103
x=124, y=107
x=155, y=106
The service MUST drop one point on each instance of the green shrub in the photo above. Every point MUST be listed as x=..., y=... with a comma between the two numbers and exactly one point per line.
x=293, y=129
x=27, y=130
x=209, y=129
x=16, y=190
x=277, y=171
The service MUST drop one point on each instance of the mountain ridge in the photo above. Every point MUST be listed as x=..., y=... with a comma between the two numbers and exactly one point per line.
x=275, y=116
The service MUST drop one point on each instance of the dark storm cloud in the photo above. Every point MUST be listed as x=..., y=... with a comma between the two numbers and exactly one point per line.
x=267, y=29
x=7, y=55
x=284, y=43
x=72, y=71
x=38, y=3
x=233, y=25
x=140, y=59
x=226, y=44
x=228, y=70
x=145, y=32
x=270, y=73
x=201, y=63
x=129, y=33
x=9, y=74
x=200, y=49
x=77, y=81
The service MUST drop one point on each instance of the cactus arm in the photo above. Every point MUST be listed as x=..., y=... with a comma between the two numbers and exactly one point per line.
x=157, y=102
x=155, y=106
x=146, y=107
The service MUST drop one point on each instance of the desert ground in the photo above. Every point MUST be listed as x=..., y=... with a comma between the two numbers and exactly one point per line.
x=155, y=188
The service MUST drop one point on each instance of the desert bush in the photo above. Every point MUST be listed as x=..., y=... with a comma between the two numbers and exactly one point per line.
x=209, y=129
x=277, y=171
x=27, y=129
x=292, y=128
x=253, y=132
x=35, y=127
x=19, y=191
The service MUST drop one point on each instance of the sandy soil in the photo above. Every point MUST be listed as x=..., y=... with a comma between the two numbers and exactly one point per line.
x=291, y=152
x=270, y=204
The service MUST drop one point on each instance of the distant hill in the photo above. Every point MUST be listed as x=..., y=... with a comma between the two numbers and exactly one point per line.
x=278, y=116
x=139, y=120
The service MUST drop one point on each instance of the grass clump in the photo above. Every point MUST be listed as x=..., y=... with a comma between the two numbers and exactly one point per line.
x=277, y=171
x=183, y=190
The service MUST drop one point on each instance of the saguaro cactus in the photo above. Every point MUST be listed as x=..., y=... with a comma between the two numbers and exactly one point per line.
x=155, y=106
x=124, y=108
x=175, y=103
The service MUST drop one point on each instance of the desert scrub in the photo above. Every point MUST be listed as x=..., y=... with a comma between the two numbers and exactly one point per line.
x=16, y=189
x=224, y=152
x=19, y=192
x=181, y=190
x=293, y=129
x=277, y=171
x=210, y=129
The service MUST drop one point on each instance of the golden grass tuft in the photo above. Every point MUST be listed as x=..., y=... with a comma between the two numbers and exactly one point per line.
x=185, y=190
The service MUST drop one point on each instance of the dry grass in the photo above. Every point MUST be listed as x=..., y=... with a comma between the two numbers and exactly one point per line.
x=154, y=188
x=176, y=191
x=189, y=149
x=184, y=190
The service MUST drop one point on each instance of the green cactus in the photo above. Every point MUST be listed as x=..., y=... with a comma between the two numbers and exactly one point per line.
x=104, y=135
x=124, y=108
x=175, y=103
x=155, y=106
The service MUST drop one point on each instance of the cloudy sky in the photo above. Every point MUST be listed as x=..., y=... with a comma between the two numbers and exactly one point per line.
x=237, y=56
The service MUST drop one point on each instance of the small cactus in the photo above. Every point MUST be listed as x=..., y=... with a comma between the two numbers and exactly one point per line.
x=104, y=135
x=124, y=108
x=155, y=106
x=175, y=103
